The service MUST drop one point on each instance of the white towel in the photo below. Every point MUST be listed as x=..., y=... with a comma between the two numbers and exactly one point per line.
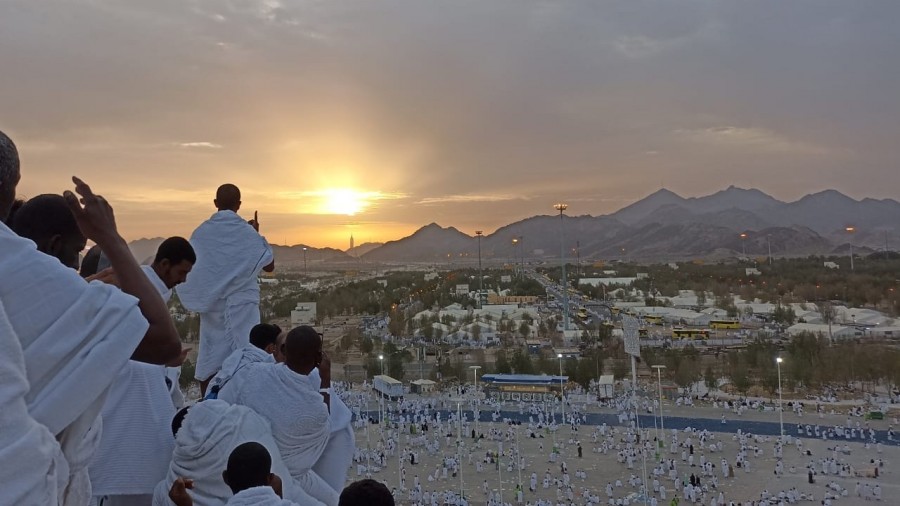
x=298, y=416
x=223, y=287
x=75, y=338
x=136, y=444
x=208, y=434
x=258, y=496
x=230, y=254
x=32, y=467
x=237, y=361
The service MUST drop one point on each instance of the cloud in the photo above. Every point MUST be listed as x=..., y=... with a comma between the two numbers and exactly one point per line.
x=457, y=199
x=750, y=138
x=200, y=145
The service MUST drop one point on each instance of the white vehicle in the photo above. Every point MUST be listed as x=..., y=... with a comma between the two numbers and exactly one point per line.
x=387, y=386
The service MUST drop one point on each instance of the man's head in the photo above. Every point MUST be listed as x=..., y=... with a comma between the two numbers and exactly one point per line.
x=279, y=347
x=366, y=493
x=249, y=465
x=48, y=221
x=9, y=174
x=302, y=349
x=228, y=198
x=174, y=260
x=264, y=336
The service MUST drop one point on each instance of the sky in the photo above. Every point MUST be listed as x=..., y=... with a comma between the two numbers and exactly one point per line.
x=376, y=117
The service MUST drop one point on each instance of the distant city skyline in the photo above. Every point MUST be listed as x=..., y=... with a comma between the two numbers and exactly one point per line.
x=376, y=117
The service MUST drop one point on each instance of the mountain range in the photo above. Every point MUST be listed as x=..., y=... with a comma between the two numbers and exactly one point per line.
x=660, y=227
x=665, y=226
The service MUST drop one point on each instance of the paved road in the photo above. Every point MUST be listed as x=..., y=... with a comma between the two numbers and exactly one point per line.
x=675, y=422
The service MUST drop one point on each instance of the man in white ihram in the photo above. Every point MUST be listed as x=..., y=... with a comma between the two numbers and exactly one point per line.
x=74, y=337
x=136, y=444
x=223, y=287
x=299, y=414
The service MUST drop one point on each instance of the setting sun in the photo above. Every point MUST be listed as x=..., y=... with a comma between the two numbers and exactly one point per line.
x=344, y=201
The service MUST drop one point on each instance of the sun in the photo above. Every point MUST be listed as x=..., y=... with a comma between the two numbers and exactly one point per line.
x=344, y=201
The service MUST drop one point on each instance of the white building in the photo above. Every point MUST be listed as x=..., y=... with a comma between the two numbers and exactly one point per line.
x=462, y=289
x=607, y=281
x=837, y=331
x=303, y=314
x=831, y=265
x=752, y=271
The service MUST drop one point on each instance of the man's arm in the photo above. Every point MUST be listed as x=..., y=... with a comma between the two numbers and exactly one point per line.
x=161, y=344
x=255, y=224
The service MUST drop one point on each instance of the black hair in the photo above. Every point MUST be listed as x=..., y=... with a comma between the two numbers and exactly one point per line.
x=228, y=197
x=178, y=419
x=175, y=250
x=366, y=493
x=249, y=465
x=264, y=334
x=43, y=217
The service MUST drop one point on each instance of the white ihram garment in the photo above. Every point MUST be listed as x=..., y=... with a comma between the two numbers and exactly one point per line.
x=32, y=467
x=299, y=420
x=223, y=286
x=334, y=464
x=231, y=374
x=209, y=433
x=258, y=496
x=75, y=338
x=136, y=444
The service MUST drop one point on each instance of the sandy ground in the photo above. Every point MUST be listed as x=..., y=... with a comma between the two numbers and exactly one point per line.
x=601, y=469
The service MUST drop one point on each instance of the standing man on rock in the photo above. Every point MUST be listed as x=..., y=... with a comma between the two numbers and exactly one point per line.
x=223, y=286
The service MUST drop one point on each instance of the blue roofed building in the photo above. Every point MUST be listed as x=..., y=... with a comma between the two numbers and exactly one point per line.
x=524, y=387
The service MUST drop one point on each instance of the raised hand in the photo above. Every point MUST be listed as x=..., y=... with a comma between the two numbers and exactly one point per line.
x=93, y=213
x=255, y=221
x=179, y=492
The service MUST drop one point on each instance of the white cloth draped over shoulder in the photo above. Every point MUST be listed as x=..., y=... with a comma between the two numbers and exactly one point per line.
x=259, y=496
x=209, y=433
x=230, y=375
x=32, y=467
x=136, y=444
x=223, y=286
x=299, y=419
x=75, y=338
x=334, y=464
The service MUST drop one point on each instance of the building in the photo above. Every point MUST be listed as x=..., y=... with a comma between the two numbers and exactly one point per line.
x=506, y=278
x=752, y=271
x=831, y=265
x=606, y=387
x=303, y=314
x=421, y=386
x=462, y=289
x=566, y=353
x=387, y=386
x=524, y=387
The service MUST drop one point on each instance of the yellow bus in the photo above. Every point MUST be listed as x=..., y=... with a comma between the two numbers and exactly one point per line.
x=690, y=333
x=615, y=310
x=724, y=324
x=582, y=313
x=653, y=319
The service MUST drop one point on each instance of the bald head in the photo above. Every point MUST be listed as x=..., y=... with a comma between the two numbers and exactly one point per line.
x=9, y=174
x=228, y=198
x=302, y=349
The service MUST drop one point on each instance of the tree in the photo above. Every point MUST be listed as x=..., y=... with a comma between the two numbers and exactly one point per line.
x=524, y=329
x=828, y=316
x=475, y=330
x=366, y=345
x=620, y=368
x=502, y=364
x=710, y=379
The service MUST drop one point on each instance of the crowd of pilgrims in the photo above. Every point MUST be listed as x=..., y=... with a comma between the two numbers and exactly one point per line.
x=688, y=465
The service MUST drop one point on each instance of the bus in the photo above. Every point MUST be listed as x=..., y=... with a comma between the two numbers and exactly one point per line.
x=690, y=333
x=724, y=324
x=653, y=319
x=582, y=313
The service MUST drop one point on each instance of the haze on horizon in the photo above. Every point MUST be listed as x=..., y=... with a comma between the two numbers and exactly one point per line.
x=379, y=116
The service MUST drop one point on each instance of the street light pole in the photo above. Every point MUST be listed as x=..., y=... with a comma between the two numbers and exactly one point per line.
x=662, y=428
x=744, y=244
x=850, y=231
x=475, y=411
x=562, y=389
x=780, y=400
x=562, y=250
x=478, y=234
x=769, y=245
x=305, y=268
